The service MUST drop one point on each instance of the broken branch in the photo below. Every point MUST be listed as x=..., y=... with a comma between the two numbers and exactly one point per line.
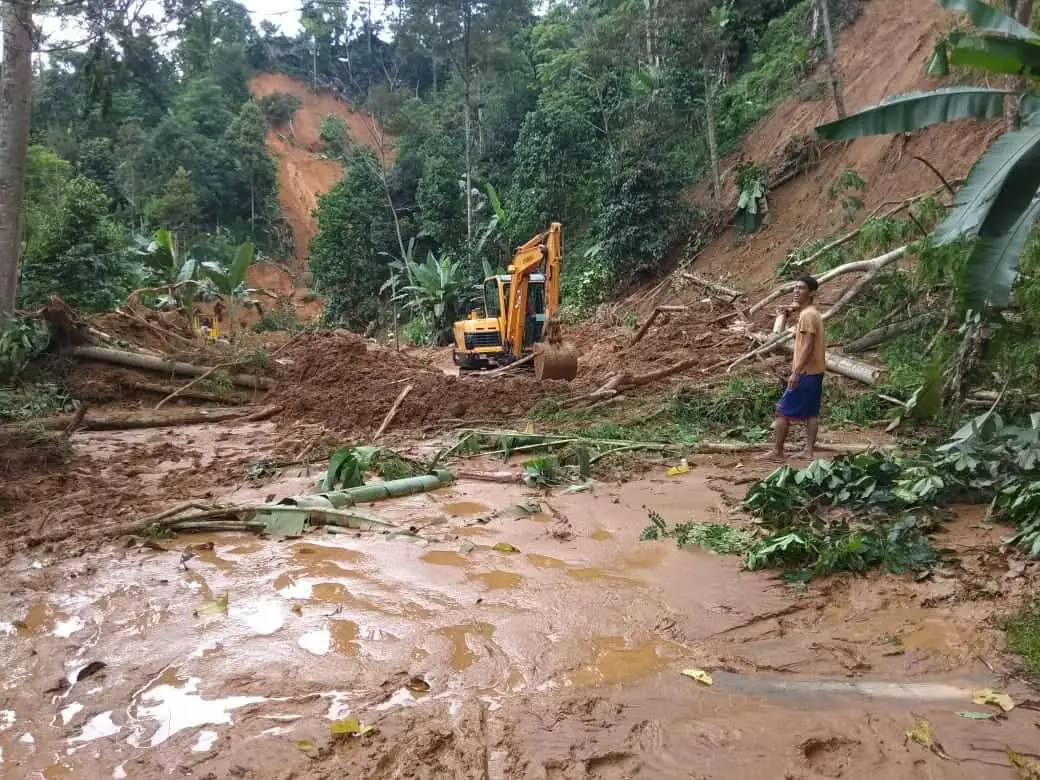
x=393, y=411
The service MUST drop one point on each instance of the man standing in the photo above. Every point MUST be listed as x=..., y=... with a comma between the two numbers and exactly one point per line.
x=801, y=400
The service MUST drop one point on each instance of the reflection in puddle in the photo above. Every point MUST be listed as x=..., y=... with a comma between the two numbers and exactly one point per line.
x=462, y=657
x=444, y=558
x=338, y=636
x=498, y=580
x=460, y=508
x=177, y=708
x=97, y=727
x=615, y=663
x=207, y=738
x=69, y=712
x=265, y=618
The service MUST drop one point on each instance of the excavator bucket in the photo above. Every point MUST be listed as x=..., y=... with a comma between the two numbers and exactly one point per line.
x=555, y=361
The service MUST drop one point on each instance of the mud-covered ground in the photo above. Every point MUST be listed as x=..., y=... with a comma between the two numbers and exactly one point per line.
x=560, y=660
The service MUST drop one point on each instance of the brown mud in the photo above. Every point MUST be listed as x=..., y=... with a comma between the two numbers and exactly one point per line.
x=882, y=53
x=560, y=660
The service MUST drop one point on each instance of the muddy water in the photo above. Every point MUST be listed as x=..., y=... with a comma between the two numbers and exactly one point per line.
x=231, y=656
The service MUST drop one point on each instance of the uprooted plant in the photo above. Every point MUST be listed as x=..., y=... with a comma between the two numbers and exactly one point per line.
x=870, y=509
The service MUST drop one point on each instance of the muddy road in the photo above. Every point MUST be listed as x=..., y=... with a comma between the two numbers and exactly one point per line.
x=228, y=655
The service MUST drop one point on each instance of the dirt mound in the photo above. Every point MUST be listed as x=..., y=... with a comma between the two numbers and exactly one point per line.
x=881, y=54
x=302, y=176
x=349, y=384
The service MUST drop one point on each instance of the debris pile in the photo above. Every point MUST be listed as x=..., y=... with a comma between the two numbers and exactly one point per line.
x=349, y=384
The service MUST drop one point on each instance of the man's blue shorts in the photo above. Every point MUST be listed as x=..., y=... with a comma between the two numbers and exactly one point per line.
x=803, y=402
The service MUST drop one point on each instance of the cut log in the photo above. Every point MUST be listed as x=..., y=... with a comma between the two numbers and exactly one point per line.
x=121, y=358
x=877, y=336
x=195, y=395
x=151, y=420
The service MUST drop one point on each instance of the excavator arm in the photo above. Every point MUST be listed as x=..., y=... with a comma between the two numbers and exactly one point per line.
x=552, y=360
x=542, y=252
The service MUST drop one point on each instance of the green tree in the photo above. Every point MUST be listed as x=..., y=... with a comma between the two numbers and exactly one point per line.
x=177, y=205
x=442, y=203
x=354, y=228
x=77, y=252
x=257, y=179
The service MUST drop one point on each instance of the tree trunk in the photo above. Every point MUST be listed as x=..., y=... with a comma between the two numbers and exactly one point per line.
x=1025, y=12
x=832, y=60
x=713, y=146
x=15, y=114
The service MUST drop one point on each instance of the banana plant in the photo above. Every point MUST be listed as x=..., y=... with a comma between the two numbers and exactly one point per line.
x=230, y=280
x=999, y=203
x=178, y=272
x=439, y=287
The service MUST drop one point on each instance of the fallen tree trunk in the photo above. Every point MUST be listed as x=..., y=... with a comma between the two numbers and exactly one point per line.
x=715, y=287
x=650, y=320
x=188, y=417
x=860, y=266
x=132, y=360
x=195, y=395
x=877, y=336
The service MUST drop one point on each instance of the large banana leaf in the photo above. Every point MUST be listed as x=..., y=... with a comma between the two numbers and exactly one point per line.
x=996, y=54
x=1001, y=185
x=240, y=265
x=916, y=110
x=986, y=17
x=990, y=273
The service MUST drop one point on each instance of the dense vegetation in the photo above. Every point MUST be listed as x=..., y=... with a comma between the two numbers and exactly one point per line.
x=595, y=114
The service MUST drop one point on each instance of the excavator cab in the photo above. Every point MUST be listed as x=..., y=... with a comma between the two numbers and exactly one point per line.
x=519, y=312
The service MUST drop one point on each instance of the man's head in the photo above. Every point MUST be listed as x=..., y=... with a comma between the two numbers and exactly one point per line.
x=805, y=290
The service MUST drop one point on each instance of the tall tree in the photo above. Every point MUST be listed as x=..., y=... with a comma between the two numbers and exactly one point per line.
x=15, y=118
x=832, y=58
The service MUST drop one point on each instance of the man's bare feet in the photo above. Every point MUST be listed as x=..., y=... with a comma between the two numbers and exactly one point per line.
x=771, y=457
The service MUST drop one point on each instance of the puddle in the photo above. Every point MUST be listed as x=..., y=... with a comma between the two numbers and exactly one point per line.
x=176, y=708
x=444, y=558
x=307, y=553
x=545, y=561
x=471, y=530
x=588, y=573
x=463, y=508
x=499, y=580
x=96, y=728
x=615, y=662
x=539, y=517
x=40, y=619
x=462, y=657
x=336, y=637
x=601, y=535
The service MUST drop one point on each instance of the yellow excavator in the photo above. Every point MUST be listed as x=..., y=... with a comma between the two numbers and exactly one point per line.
x=521, y=315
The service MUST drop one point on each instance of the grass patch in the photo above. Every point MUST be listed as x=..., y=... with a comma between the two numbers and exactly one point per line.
x=1023, y=636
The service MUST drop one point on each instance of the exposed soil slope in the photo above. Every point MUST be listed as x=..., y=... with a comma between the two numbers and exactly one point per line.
x=302, y=176
x=882, y=53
